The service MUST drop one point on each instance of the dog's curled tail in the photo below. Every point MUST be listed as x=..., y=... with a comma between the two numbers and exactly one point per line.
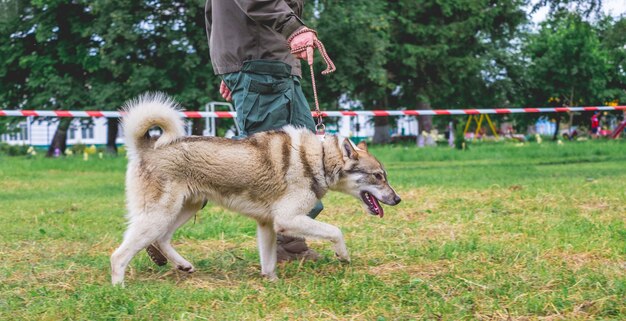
x=147, y=111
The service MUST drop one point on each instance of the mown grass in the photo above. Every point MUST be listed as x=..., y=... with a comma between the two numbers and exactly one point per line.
x=496, y=232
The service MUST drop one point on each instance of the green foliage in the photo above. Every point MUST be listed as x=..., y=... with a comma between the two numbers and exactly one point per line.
x=78, y=149
x=46, y=56
x=152, y=46
x=13, y=150
x=98, y=54
x=569, y=66
x=455, y=54
x=450, y=53
x=6, y=125
x=612, y=33
x=583, y=7
x=447, y=52
x=459, y=137
x=357, y=36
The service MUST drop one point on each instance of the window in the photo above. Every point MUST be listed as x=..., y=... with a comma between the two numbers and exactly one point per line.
x=72, y=132
x=86, y=132
x=24, y=129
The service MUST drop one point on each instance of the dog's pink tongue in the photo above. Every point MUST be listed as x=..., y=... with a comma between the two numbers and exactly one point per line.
x=377, y=207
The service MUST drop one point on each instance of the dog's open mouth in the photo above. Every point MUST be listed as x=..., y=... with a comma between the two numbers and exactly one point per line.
x=372, y=204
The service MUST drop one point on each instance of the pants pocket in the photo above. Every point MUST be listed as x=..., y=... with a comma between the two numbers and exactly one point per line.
x=301, y=112
x=266, y=105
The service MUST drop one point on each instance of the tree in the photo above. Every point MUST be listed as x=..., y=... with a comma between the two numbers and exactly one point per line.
x=48, y=59
x=98, y=54
x=152, y=46
x=568, y=65
x=450, y=53
x=393, y=53
x=583, y=7
x=612, y=33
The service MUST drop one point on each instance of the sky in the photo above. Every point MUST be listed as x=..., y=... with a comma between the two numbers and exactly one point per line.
x=612, y=7
x=615, y=7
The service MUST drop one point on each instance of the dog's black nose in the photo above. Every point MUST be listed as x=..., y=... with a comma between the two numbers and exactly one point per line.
x=397, y=199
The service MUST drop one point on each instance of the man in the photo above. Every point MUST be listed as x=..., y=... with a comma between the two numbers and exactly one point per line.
x=248, y=42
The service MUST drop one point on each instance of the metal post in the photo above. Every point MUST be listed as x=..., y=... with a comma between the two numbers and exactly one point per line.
x=209, y=128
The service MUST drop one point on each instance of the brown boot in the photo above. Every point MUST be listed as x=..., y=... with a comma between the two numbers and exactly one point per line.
x=293, y=248
x=155, y=255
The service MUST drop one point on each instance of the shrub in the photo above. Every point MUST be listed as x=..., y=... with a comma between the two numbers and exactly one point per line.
x=78, y=149
x=13, y=150
x=459, y=136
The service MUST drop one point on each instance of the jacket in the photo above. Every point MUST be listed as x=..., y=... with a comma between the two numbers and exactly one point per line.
x=243, y=30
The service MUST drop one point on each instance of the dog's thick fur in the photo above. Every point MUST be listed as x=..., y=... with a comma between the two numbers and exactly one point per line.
x=273, y=177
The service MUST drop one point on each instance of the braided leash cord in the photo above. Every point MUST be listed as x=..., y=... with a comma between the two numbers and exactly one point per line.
x=330, y=67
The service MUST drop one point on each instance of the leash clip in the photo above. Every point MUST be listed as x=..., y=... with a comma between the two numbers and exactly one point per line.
x=320, y=131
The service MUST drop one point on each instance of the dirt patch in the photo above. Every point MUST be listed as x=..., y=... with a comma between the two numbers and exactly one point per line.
x=577, y=261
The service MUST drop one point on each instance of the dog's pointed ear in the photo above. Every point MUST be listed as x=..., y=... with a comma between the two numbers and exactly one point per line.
x=362, y=145
x=348, y=150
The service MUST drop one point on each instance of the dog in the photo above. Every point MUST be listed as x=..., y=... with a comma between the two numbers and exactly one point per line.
x=274, y=177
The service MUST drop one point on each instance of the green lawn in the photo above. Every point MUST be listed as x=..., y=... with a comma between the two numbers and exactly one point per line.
x=499, y=231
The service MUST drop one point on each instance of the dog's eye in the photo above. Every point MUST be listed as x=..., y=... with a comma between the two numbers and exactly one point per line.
x=378, y=176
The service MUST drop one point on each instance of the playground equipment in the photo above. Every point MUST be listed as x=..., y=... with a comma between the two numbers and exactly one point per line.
x=479, y=121
x=618, y=130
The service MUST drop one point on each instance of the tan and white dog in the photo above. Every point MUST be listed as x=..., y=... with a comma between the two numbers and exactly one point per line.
x=273, y=177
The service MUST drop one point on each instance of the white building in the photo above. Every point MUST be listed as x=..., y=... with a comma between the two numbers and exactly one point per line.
x=407, y=126
x=39, y=132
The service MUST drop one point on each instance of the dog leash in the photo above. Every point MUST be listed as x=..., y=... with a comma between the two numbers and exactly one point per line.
x=320, y=128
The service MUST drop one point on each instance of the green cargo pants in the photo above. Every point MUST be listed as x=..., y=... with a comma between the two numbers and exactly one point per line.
x=266, y=96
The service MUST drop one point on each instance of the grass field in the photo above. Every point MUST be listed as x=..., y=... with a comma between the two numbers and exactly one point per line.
x=496, y=232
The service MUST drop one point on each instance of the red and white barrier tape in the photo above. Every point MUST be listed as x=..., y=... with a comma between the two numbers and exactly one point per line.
x=375, y=113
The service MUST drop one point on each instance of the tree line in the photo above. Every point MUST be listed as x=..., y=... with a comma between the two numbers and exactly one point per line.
x=421, y=54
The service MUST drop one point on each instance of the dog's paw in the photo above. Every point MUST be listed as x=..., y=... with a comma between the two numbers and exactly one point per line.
x=186, y=268
x=343, y=258
x=270, y=277
x=118, y=284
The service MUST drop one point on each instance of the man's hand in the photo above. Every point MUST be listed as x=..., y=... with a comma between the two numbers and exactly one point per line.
x=226, y=94
x=305, y=39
